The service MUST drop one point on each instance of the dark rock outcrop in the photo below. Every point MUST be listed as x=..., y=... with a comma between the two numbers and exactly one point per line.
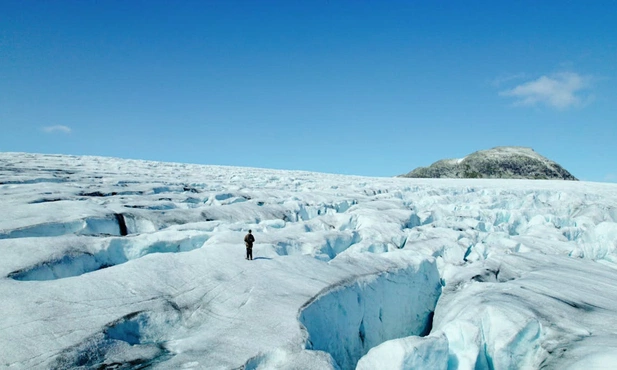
x=501, y=162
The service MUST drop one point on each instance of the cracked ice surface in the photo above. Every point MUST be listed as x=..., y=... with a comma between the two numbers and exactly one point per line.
x=111, y=263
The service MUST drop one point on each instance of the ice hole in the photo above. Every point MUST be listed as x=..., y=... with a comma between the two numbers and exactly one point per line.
x=349, y=319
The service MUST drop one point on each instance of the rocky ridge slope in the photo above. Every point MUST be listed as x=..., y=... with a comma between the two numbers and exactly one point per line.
x=500, y=162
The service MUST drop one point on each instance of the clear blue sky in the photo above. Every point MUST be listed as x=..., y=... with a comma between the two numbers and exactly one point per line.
x=354, y=87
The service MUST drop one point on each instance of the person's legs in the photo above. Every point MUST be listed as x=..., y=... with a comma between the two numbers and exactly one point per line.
x=249, y=253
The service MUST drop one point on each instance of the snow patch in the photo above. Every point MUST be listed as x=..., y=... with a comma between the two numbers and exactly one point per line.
x=408, y=353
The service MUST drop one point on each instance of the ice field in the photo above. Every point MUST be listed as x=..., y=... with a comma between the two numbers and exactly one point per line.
x=123, y=264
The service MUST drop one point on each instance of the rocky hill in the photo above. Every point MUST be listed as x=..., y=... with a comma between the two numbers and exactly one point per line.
x=501, y=162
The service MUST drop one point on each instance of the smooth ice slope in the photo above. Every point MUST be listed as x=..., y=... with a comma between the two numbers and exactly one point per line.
x=408, y=353
x=110, y=263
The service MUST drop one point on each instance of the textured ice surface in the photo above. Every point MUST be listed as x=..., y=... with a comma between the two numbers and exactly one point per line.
x=110, y=263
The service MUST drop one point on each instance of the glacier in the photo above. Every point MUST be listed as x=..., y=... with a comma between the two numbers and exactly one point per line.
x=111, y=263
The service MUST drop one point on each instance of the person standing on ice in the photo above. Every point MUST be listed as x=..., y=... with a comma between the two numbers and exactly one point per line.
x=249, y=239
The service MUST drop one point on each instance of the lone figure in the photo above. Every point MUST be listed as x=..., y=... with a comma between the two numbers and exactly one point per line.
x=249, y=239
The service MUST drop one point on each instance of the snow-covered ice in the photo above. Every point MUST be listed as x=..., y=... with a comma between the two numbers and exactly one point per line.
x=112, y=263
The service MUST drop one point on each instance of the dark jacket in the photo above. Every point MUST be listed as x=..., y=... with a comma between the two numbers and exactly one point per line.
x=249, y=239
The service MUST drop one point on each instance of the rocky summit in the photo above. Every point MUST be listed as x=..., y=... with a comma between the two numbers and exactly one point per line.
x=505, y=162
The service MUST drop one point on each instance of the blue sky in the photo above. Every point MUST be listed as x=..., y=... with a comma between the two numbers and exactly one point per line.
x=354, y=87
